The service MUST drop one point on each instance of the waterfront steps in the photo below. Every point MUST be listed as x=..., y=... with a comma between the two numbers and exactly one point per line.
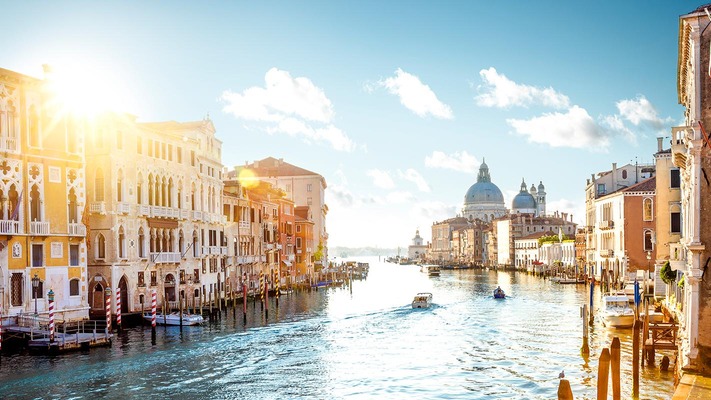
x=693, y=387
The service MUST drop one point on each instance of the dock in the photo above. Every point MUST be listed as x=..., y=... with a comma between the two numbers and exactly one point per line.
x=33, y=331
x=693, y=387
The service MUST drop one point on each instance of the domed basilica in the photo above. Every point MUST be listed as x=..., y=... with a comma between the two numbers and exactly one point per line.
x=485, y=201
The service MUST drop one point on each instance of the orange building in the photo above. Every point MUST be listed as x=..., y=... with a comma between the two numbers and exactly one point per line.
x=304, y=246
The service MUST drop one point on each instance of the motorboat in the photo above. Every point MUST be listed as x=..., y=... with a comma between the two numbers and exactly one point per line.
x=430, y=270
x=499, y=293
x=422, y=300
x=616, y=311
x=174, y=318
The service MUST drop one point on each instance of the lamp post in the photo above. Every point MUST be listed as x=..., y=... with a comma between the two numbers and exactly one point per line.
x=35, y=285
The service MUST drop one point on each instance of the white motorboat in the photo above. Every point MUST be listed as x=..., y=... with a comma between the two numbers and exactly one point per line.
x=174, y=318
x=616, y=311
x=430, y=270
x=422, y=300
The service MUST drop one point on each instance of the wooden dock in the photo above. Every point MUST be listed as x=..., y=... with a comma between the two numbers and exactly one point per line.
x=34, y=332
x=657, y=336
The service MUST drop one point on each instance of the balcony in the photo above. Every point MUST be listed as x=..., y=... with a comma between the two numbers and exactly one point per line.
x=77, y=229
x=97, y=207
x=607, y=224
x=39, y=228
x=9, y=227
x=165, y=258
x=184, y=214
x=244, y=224
x=9, y=144
x=607, y=253
x=677, y=256
x=214, y=250
x=123, y=208
x=143, y=210
x=680, y=135
x=197, y=215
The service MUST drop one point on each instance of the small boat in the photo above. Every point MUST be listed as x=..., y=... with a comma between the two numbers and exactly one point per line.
x=616, y=311
x=433, y=270
x=422, y=300
x=499, y=293
x=174, y=319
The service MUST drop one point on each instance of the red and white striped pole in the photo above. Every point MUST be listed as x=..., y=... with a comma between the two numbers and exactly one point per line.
x=153, y=309
x=118, y=308
x=108, y=309
x=50, y=296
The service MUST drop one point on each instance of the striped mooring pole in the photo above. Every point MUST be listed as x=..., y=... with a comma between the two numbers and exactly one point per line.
x=50, y=296
x=108, y=309
x=118, y=308
x=153, y=309
x=261, y=287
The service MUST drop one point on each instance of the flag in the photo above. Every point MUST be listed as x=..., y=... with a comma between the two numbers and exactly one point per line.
x=16, y=211
x=85, y=221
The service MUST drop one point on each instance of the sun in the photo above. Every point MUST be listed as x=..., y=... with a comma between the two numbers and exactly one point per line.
x=81, y=88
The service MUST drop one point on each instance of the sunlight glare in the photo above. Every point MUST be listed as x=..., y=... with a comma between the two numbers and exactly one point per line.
x=248, y=179
x=85, y=89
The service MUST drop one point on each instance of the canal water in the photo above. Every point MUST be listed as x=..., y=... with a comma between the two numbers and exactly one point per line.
x=363, y=341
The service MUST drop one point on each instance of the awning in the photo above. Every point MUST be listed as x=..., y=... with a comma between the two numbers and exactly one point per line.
x=162, y=223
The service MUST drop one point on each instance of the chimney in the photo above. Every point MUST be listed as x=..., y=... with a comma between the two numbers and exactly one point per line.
x=660, y=144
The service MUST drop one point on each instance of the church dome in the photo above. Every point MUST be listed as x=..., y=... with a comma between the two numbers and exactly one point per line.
x=483, y=191
x=524, y=201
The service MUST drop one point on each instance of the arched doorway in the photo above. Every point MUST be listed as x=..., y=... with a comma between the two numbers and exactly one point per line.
x=97, y=298
x=123, y=285
x=169, y=289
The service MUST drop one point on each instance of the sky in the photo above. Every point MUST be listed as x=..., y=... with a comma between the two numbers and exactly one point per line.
x=394, y=103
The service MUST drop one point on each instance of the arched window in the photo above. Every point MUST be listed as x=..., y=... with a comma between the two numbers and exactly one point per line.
x=647, y=209
x=74, y=287
x=100, y=246
x=141, y=243
x=99, y=185
x=624, y=174
x=35, y=210
x=72, y=207
x=119, y=186
x=196, y=251
x=648, y=245
x=139, y=189
x=121, y=243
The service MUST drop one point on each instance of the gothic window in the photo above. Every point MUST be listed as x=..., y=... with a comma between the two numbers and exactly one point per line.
x=181, y=242
x=141, y=243
x=648, y=240
x=196, y=250
x=74, y=287
x=119, y=186
x=100, y=246
x=139, y=190
x=647, y=209
x=72, y=209
x=14, y=204
x=16, y=289
x=121, y=243
x=141, y=279
x=99, y=185
x=35, y=211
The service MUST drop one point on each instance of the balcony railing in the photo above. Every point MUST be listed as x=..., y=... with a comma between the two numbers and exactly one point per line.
x=165, y=257
x=97, y=207
x=197, y=215
x=184, y=214
x=678, y=145
x=677, y=256
x=607, y=253
x=144, y=210
x=123, y=208
x=77, y=229
x=9, y=144
x=39, y=228
x=9, y=227
x=607, y=224
x=244, y=224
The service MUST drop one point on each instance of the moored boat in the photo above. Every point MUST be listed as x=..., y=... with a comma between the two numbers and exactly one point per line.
x=422, y=300
x=174, y=318
x=616, y=311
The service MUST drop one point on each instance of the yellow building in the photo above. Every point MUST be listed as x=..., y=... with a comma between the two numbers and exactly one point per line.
x=42, y=194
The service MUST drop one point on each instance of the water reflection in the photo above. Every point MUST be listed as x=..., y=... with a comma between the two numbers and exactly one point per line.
x=364, y=341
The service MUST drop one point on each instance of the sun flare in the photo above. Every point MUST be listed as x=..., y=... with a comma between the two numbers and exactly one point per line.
x=86, y=89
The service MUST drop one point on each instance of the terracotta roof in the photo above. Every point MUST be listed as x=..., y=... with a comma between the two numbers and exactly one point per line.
x=649, y=185
x=536, y=235
x=271, y=166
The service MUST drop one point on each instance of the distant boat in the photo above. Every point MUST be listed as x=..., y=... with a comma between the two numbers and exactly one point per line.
x=430, y=270
x=422, y=300
x=174, y=319
x=499, y=293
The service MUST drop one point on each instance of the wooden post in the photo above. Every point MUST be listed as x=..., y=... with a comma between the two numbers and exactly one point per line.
x=592, y=312
x=180, y=308
x=615, y=367
x=635, y=359
x=603, y=372
x=585, y=350
x=564, y=390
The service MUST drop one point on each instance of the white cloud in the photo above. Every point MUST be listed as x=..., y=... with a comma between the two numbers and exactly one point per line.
x=414, y=95
x=501, y=92
x=576, y=209
x=415, y=177
x=341, y=196
x=399, y=197
x=381, y=179
x=463, y=161
x=294, y=106
x=432, y=211
x=639, y=111
x=574, y=128
x=616, y=125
